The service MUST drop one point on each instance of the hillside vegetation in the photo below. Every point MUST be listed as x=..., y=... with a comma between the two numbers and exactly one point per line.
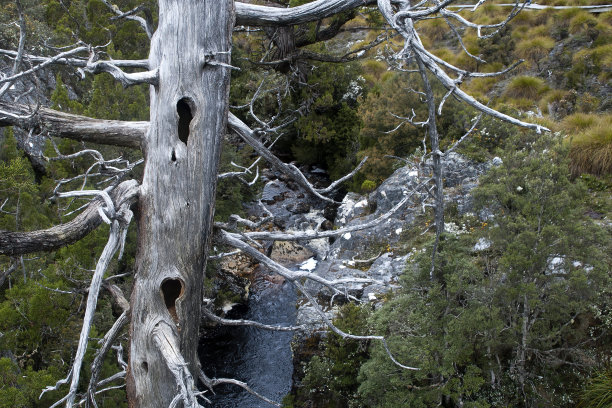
x=496, y=328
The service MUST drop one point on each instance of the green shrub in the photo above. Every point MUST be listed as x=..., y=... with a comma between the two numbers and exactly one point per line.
x=368, y=185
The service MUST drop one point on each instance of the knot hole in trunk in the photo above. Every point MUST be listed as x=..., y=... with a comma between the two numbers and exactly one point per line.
x=171, y=290
x=185, y=109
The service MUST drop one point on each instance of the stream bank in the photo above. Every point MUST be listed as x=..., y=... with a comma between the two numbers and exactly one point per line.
x=264, y=359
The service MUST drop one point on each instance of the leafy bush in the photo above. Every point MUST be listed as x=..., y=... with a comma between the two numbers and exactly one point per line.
x=330, y=379
x=499, y=327
x=367, y=186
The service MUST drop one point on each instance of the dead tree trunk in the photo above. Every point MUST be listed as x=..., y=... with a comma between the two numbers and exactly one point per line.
x=182, y=147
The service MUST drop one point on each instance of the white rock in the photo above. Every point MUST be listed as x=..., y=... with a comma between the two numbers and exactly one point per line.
x=362, y=203
x=309, y=265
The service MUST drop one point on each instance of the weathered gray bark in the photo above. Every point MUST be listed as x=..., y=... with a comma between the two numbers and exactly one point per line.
x=19, y=243
x=182, y=147
x=56, y=123
x=251, y=14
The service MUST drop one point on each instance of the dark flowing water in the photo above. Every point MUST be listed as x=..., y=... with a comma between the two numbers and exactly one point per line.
x=261, y=358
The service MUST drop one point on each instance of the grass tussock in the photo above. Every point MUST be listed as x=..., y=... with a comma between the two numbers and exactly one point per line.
x=534, y=49
x=526, y=87
x=582, y=22
x=591, y=148
x=598, y=391
x=435, y=29
x=552, y=96
x=578, y=122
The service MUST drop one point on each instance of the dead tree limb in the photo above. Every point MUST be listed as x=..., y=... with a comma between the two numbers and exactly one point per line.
x=18, y=243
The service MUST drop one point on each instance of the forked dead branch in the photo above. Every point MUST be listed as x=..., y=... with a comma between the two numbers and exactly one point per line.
x=188, y=71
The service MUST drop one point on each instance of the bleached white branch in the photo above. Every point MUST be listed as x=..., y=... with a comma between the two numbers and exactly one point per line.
x=242, y=322
x=47, y=61
x=20, y=47
x=310, y=235
x=76, y=61
x=290, y=170
x=413, y=42
x=126, y=79
x=254, y=15
x=166, y=340
x=129, y=15
x=121, y=220
x=212, y=382
x=106, y=343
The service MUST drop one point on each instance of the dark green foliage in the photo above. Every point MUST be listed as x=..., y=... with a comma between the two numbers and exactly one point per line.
x=443, y=327
x=327, y=134
x=517, y=324
x=233, y=193
x=330, y=379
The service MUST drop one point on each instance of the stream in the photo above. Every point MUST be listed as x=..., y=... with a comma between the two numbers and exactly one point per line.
x=261, y=358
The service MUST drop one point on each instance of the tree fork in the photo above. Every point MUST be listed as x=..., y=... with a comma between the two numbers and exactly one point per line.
x=188, y=117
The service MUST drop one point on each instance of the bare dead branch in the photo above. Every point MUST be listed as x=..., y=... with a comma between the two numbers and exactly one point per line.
x=413, y=42
x=333, y=186
x=129, y=15
x=48, y=61
x=310, y=235
x=76, y=61
x=121, y=222
x=288, y=169
x=166, y=340
x=212, y=382
x=82, y=128
x=20, y=48
x=292, y=276
x=242, y=322
x=17, y=243
x=8, y=271
x=254, y=15
x=106, y=344
x=126, y=79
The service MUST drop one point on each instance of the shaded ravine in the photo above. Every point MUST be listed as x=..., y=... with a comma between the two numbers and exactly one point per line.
x=261, y=358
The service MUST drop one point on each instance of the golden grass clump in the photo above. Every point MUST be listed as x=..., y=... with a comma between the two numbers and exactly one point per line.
x=526, y=87
x=373, y=70
x=444, y=53
x=581, y=22
x=480, y=87
x=591, y=149
x=534, y=49
x=600, y=58
x=578, y=122
x=606, y=17
x=552, y=96
x=434, y=29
